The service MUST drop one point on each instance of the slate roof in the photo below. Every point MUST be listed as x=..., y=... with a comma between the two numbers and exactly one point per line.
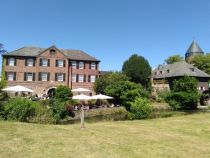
x=176, y=70
x=194, y=48
x=34, y=51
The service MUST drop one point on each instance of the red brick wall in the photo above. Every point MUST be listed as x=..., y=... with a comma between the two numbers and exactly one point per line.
x=40, y=86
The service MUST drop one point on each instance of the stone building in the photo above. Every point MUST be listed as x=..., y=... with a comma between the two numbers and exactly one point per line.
x=42, y=69
x=164, y=75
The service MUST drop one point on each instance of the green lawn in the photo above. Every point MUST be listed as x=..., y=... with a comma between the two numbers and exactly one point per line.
x=181, y=136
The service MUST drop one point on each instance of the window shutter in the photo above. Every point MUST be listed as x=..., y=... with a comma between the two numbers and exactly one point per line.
x=90, y=65
x=14, y=76
x=7, y=61
x=84, y=65
x=34, y=60
x=39, y=76
x=64, y=77
x=84, y=78
x=40, y=62
x=24, y=76
x=56, y=63
x=48, y=76
x=88, y=78
x=25, y=62
x=96, y=66
x=77, y=65
x=48, y=62
x=64, y=63
x=34, y=76
x=56, y=78
x=15, y=62
x=77, y=78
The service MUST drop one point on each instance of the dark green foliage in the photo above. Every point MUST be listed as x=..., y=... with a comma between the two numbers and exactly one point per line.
x=57, y=107
x=140, y=109
x=183, y=100
x=108, y=79
x=185, y=84
x=162, y=95
x=184, y=94
x=138, y=69
x=173, y=59
x=63, y=93
x=202, y=62
x=20, y=109
x=204, y=98
x=125, y=92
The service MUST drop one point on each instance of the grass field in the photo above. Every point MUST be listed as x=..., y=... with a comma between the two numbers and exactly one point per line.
x=177, y=137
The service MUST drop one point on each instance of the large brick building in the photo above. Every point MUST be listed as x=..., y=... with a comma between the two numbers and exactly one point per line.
x=43, y=69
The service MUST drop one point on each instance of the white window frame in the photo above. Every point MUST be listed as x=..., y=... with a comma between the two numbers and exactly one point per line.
x=93, y=65
x=74, y=64
x=11, y=62
x=28, y=77
x=60, y=63
x=74, y=78
x=10, y=76
x=43, y=77
x=30, y=62
x=81, y=65
x=92, y=78
x=60, y=77
x=44, y=62
x=81, y=78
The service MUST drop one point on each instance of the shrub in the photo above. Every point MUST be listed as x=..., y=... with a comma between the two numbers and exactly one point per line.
x=63, y=93
x=183, y=100
x=184, y=94
x=43, y=115
x=162, y=95
x=58, y=109
x=204, y=98
x=20, y=109
x=125, y=92
x=140, y=109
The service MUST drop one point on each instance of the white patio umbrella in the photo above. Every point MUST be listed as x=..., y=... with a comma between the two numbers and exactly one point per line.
x=101, y=97
x=82, y=97
x=17, y=88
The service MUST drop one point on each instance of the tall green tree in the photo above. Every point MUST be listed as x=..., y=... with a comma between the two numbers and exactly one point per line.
x=108, y=79
x=173, y=59
x=202, y=62
x=137, y=68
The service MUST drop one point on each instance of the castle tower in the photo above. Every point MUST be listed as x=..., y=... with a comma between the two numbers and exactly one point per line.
x=193, y=50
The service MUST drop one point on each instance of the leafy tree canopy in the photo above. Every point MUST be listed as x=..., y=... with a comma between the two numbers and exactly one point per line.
x=125, y=92
x=173, y=59
x=185, y=84
x=63, y=93
x=137, y=68
x=202, y=62
x=108, y=79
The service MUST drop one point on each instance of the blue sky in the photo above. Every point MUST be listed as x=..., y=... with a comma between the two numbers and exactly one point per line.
x=110, y=30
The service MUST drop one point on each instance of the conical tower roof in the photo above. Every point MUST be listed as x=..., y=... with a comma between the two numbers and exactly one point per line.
x=194, y=48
